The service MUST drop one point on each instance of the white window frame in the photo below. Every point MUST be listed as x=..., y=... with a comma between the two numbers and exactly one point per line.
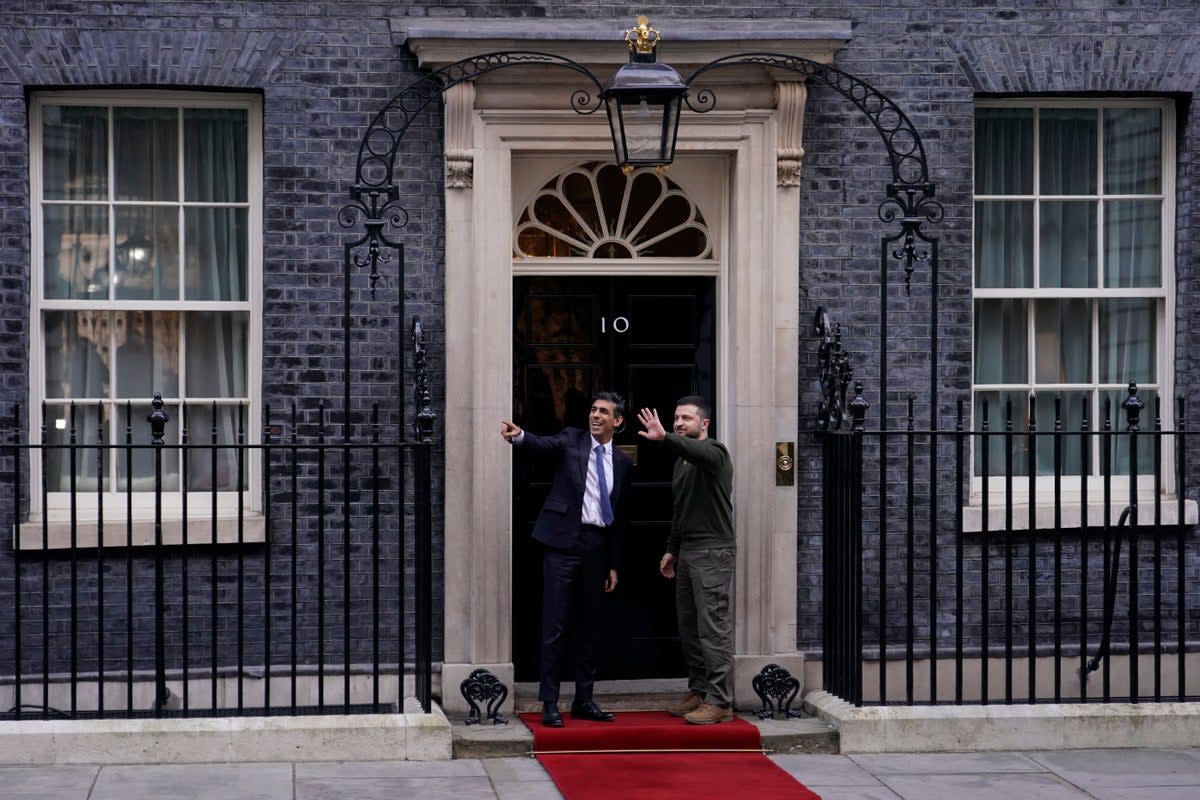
x=58, y=505
x=1165, y=341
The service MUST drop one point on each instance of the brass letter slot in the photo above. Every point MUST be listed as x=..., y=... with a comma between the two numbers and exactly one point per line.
x=629, y=450
x=785, y=463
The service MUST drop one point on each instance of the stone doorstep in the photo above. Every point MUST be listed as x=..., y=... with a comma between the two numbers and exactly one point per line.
x=487, y=740
x=804, y=735
x=357, y=737
x=976, y=728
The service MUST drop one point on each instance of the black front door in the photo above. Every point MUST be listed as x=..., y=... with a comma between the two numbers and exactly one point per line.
x=652, y=341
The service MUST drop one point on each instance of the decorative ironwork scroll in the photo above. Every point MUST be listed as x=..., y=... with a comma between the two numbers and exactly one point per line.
x=772, y=686
x=375, y=198
x=481, y=686
x=910, y=194
x=835, y=377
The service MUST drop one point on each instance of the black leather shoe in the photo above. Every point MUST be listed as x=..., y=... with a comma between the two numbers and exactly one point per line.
x=589, y=710
x=550, y=716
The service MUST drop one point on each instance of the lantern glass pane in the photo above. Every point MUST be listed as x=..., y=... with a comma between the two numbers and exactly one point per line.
x=643, y=118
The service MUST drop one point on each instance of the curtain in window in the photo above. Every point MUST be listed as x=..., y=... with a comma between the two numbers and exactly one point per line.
x=75, y=236
x=112, y=356
x=215, y=268
x=1003, y=228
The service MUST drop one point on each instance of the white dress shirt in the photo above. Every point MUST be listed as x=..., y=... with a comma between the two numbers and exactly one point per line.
x=591, y=489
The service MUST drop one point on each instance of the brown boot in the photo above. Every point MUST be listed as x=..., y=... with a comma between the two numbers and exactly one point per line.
x=686, y=704
x=707, y=714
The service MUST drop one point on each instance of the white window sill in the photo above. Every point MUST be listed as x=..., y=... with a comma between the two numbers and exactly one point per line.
x=28, y=536
x=1071, y=517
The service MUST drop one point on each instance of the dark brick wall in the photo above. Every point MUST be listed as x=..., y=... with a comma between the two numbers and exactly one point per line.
x=932, y=59
x=323, y=69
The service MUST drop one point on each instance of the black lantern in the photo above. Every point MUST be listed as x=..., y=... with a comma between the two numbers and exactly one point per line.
x=643, y=99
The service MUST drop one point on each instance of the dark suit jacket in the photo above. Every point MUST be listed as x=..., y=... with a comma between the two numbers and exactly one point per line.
x=559, y=522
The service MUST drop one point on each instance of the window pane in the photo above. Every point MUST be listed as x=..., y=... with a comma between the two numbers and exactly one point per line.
x=1001, y=335
x=141, y=458
x=1004, y=244
x=1063, y=341
x=1127, y=341
x=146, y=153
x=215, y=253
x=74, y=153
x=216, y=354
x=1004, y=411
x=1132, y=243
x=1120, y=447
x=147, y=253
x=78, y=354
x=1004, y=151
x=1132, y=157
x=84, y=424
x=214, y=155
x=209, y=467
x=1067, y=154
x=147, y=353
x=1067, y=409
x=75, y=252
x=1067, y=249
x=577, y=187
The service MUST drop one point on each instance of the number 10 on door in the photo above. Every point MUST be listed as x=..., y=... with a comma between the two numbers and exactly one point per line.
x=616, y=324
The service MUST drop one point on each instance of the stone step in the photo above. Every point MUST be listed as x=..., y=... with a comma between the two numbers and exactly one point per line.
x=641, y=695
x=797, y=735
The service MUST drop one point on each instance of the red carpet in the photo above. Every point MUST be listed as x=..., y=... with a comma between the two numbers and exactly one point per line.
x=632, y=758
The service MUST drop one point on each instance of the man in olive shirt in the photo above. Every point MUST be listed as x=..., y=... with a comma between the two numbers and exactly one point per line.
x=700, y=556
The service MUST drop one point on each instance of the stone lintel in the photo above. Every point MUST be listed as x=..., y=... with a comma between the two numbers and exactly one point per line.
x=689, y=42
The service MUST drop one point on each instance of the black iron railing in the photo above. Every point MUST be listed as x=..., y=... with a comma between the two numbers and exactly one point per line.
x=296, y=582
x=1033, y=560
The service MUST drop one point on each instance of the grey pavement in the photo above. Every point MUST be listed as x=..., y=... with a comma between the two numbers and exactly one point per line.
x=1065, y=775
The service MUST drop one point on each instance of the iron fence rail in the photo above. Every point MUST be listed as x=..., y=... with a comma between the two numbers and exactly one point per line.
x=1087, y=595
x=327, y=610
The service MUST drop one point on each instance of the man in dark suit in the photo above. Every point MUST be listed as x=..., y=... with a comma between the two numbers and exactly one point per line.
x=580, y=525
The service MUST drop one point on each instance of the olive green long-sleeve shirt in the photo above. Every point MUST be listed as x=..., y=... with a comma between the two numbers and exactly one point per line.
x=702, y=487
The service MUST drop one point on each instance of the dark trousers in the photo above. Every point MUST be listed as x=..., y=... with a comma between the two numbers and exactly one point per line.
x=572, y=594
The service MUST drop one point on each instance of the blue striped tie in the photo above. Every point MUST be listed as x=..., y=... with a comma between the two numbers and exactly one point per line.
x=606, y=512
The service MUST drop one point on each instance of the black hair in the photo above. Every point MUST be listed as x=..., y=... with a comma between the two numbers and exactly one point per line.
x=614, y=398
x=699, y=402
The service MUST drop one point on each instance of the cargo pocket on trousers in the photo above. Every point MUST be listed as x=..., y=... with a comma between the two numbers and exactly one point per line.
x=716, y=578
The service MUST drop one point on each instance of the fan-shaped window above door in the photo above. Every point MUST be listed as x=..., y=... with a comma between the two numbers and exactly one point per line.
x=595, y=210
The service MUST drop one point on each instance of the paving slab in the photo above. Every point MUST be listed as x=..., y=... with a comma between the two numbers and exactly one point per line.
x=527, y=790
x=1141, y=793
x=1093, y=769
x=515, y=769
x=825, y=770
x=47, y=783
x=983, y=787
x=947, y=763
x=876, y=792
x=390, y=769
x=194, y=782
x=393, y=788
